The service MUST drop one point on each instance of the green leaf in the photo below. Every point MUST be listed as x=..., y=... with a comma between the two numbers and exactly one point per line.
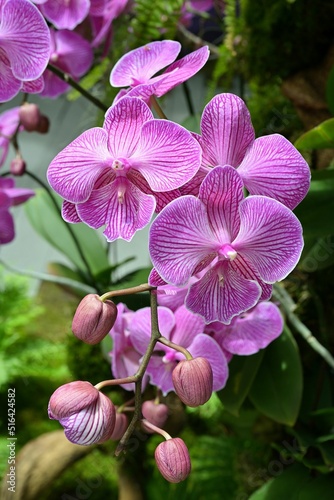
x=314, y=211
x=288, y=484
x=330, y=91
x=242, y=371
x=277, y=389
x=320, y=137
x=49, y=224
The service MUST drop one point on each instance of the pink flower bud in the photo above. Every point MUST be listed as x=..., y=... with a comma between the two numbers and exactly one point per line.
x=87, y=415
x=17, y=166
x=193, y=381
x=121, y=425
x=43, y=125
x=155, y=413
x=93, y=319
x=173, y=460
x=29, y=115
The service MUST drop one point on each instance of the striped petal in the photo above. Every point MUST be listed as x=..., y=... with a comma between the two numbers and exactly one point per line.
x=270, y=237
x=273, y=167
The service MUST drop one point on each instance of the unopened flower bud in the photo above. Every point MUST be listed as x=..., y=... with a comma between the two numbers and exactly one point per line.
x=29, y=115
x=43, y=125
x=87, y=415
x=93, y=319
x=17, y=166
x=173, y=460
x=155, y=413
x=193, y=381
x=121, y=425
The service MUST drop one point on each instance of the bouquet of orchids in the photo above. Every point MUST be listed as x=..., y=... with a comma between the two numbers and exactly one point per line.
x=224, y=231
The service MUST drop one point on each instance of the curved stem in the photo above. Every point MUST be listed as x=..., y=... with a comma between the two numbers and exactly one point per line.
x=157, y=108
x=155, y=335
x=127, y=291
x=68, y=79
x=289, y=306
x=68, y=228
x=115, y=381
x=177, y=347
x=152, y=427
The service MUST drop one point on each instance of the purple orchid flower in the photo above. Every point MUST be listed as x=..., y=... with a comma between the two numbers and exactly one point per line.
x=24, y=46
x=137, y=68
x=10, y=196
x=249, y=332
x=65, y=14
x=9, y=121
x=72, y=54
x=125, y=358
x=105, y=174
x=269, y=166
x=102, y=14
x=246, y=244
x=183, y=328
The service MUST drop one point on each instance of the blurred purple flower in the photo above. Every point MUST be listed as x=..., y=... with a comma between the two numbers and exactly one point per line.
x=269, y=166
x=101, y=14
x=72, y=54
x=249, y=332
x=181, y=327
x=113, y=175
x=137, y=68
x=65, y=14
x=245, y=245
x=9, y=197
x=9, y=121
x=24, y=47
x=125, y=359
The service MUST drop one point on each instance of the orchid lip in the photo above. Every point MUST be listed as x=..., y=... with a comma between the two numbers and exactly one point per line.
x=228, y=252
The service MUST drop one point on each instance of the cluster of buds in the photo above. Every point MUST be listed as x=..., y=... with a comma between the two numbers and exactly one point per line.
x=90, y=417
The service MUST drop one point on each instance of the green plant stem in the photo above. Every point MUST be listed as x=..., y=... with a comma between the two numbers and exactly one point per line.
x=157, y=108
x=68, y=228
x=289, y=306
x=127, y=291
x=147, y=424
x=177, y=347
x=155, y=335
x=115, y=381
x=68, y=79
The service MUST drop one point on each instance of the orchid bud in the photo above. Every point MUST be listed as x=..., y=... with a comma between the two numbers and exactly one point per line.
x=87, y=415
x=29, y=115
x=155, y=413
x=17, y=166
x=93, y=319
x=43, y=125
x=121, y=425
x=193, y=381
x=173, y=460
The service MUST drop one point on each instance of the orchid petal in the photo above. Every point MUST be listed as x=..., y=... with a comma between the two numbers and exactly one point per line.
x=206, y=347
x=270, y=237
x=273, y=167
x=69, y=212
x=167, y=155
x=182, y=70
x=139, y=65
x=243, y=267
x=73, y=172
x=161, y=374
x=180, y=238
x=73, y=53
x=65, y=14
x=120, y=206
x=140, y=327
x=256, y=330
x=7, y=232
x=222, y=294
x=188, y=325
x=34, y=86
x=123, y=123
x=222, y=192
x=9, y=85
x=25, y=38
x=227, y=130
